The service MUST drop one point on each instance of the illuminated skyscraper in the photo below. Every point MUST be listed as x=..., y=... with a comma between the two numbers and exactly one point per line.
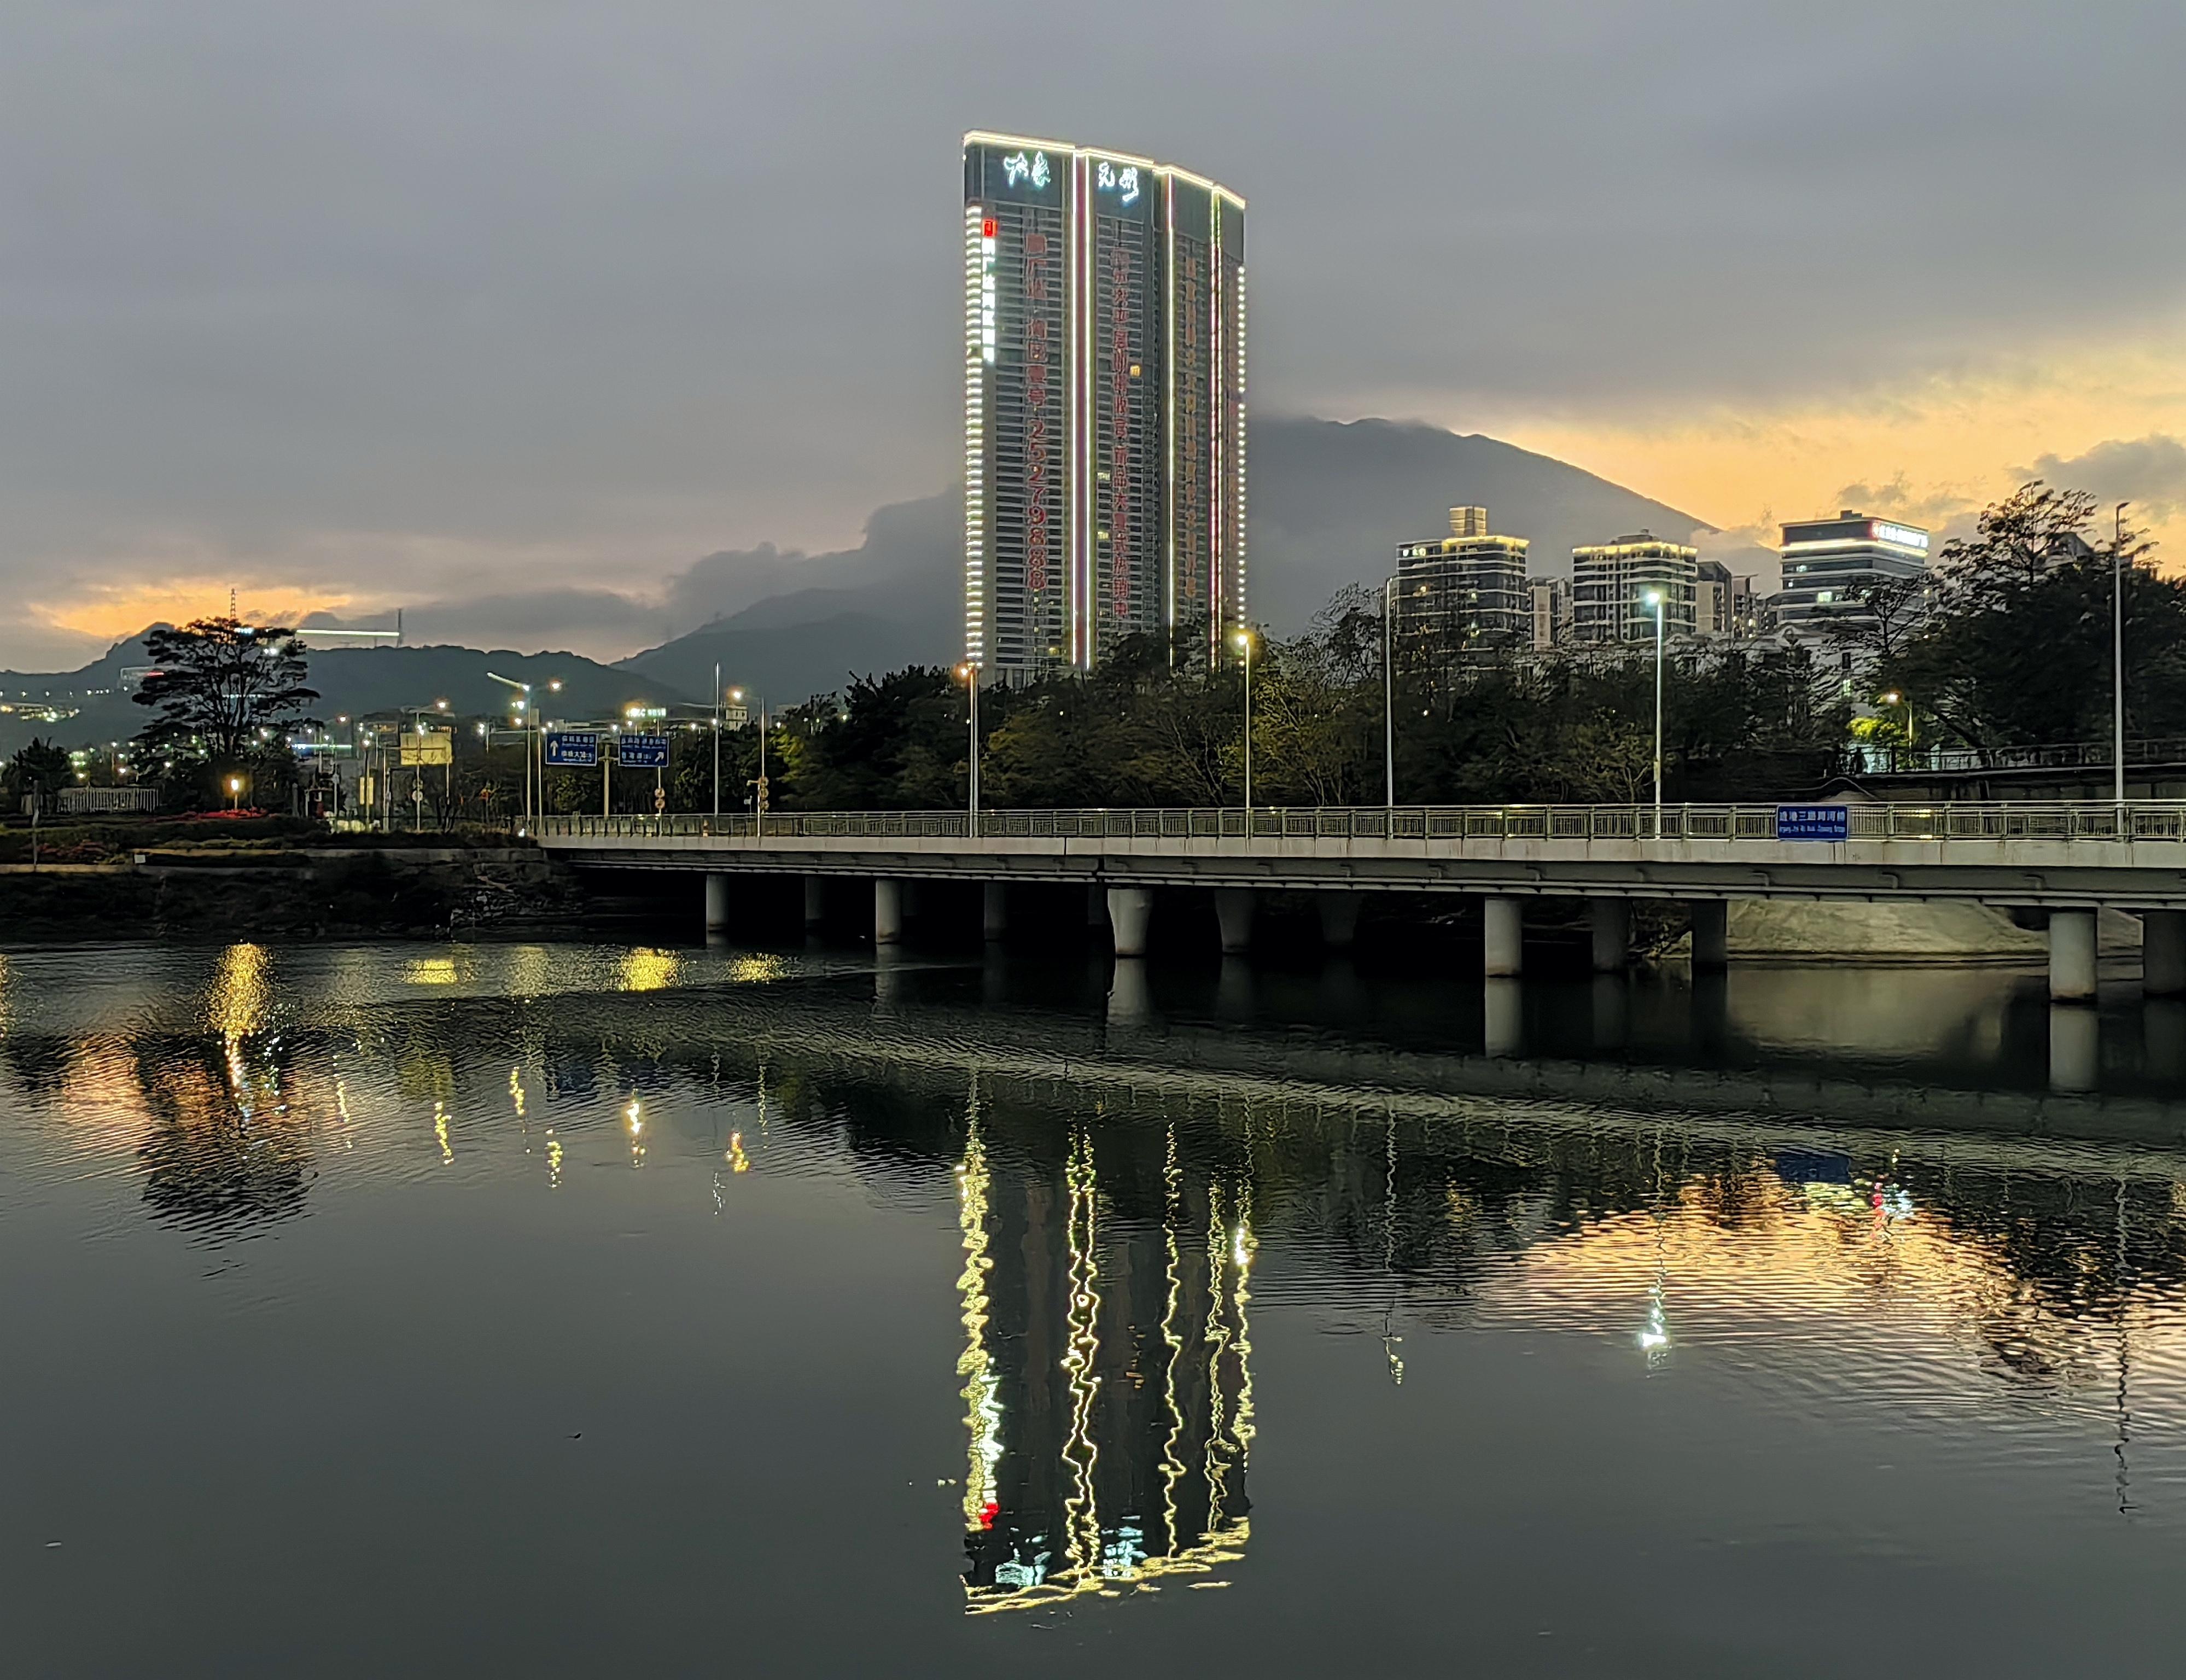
x=1104, y=404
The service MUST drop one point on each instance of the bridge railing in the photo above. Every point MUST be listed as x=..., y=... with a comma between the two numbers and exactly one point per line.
x=2086, y=819
x=1897, y=760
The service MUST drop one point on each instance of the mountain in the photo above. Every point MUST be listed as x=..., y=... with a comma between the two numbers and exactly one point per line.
x=352, y=682
x=787, y=665
x=895, y=600
x=1330, y=502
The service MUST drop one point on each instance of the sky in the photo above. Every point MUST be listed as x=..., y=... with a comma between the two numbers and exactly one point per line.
x=345, y=307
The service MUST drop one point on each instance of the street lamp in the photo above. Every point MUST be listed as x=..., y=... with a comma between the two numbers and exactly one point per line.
x=2117, y=659
x=1894, y=698
x=1654, y=599
x=759, y=788
x=968, y=674
x=234, y=793
x=1244, y=640
x=1389, y=695
x=525, y=719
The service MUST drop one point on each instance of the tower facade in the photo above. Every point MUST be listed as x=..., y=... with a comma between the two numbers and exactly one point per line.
x=1104, y=405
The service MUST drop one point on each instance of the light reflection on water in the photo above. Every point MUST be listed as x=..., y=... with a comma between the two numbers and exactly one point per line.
x=1191, y=1280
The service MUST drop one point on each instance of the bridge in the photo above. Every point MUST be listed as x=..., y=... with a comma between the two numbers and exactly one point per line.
x=2066, y=858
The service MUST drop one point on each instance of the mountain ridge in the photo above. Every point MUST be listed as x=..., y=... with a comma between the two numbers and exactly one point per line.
x=1330, y=501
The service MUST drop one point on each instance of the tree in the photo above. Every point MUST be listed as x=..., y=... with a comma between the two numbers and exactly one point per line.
x=223, y=688
x=2017, y=541
x=39, y=770
x=1893, y=610
x=2018, y=651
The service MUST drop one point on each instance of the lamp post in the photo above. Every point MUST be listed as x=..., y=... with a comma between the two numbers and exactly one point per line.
x=717, y=740
x=2117, y=659
x=1389, y=695
x=1244, y=640
x=1654, y=599
x=759, y=788
x=525, y=718
x=970, y=674
x=1894, y=698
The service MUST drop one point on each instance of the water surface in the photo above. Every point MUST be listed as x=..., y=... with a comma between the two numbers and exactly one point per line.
x=449, y=1309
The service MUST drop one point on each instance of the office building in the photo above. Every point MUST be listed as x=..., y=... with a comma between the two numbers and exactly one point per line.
x=1104, y=405
x=1750, y=616
x=1549, y=600
x=1726, y=605
x=1711, y=599
x=1830, y=566
x=1611, y=583
x=1455, y=591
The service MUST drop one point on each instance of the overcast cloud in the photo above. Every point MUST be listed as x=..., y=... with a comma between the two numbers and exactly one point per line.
x=459, y=301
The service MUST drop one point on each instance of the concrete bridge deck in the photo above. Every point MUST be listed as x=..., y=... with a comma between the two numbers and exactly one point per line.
x=2068, y=859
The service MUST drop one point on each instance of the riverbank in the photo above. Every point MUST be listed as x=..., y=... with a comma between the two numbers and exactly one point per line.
x=322, y=893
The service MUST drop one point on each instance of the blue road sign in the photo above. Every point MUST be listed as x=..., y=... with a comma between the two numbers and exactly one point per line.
x=1812, y=822
x=573, y=748
x=642, y=752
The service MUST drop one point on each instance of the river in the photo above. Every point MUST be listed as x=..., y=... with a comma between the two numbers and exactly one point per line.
x=572, y=1308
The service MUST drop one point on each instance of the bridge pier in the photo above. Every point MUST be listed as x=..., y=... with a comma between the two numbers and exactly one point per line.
x=1610, y=1012
x=1503, y=923
x=2163, y=953
x=994, y=912
x=887, y=911
x=1233, y=913
x=1339, y=917
x=2163, y=1038
x=2072, y=956
x=1711, y=935
x=1130, y=999
x=1130, y=910
x=815, y=899
x=1233, y=990
x=717, y=902
x=1503, y=1017
x=1612, y=934
x=2075, y=1049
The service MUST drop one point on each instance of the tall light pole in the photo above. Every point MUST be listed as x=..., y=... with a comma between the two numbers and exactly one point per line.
x=1244, y=640
x=539, y=743
x=970, y=674
x=2118, y=658
x=1895, y=698
x=717, y=740
x=1654, y=598
x=1389, y=694
x=759, y=790
x=523, y=704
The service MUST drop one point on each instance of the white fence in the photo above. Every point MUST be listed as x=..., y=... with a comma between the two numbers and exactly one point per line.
x=2136, y=820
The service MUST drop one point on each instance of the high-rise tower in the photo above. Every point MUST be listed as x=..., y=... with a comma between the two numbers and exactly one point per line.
x=1104, y=404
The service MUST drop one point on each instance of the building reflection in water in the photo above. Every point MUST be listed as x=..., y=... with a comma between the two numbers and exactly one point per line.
x=1107, y=1374
x=1109, y=1201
